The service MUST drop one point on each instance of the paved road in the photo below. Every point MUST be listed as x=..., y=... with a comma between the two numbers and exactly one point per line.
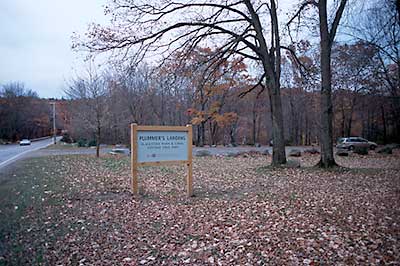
x=12, y=152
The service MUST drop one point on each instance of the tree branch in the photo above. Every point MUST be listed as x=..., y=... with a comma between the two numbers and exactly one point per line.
x=302, y=7
x=299, y=63
x=335, y=23
x=259, y=83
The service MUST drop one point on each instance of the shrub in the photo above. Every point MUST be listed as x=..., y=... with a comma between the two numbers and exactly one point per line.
x=92, y=143
x=82, y=142
x=66, y=138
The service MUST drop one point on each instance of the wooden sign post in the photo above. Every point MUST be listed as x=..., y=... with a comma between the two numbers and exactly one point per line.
x=156, y=145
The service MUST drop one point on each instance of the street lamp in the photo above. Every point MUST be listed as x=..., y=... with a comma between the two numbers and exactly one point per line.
x=54, y=121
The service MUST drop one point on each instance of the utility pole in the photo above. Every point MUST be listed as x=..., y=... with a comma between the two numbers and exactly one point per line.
x=54, y=122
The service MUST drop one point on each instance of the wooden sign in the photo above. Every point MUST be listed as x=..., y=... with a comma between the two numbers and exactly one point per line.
x=156, y=145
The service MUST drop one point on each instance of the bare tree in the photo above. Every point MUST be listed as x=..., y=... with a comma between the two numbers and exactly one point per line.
x=327, y=33
x=164, y=26
x=379, y=26
x=89, y=95
x=16, y=89
x=134, y=83
x=355, y=66
x=23, y=114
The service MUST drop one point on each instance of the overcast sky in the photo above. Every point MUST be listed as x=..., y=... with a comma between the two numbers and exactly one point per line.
x=35, y=41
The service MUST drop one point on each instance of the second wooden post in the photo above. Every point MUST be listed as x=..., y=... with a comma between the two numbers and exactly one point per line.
x=189, y=181
x=134, y=167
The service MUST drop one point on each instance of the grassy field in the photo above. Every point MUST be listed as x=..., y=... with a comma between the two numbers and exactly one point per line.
x=77, y=210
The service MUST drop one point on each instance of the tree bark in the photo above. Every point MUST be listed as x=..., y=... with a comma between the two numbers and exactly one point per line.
x=350, y=121
x=278, y=151
x=198, y=136
x=232, y=134
x=384, y=125
x=272, y=68
x=307, y=131
x=213, y=132
x=327, y=158
x=343, y=124
x=203, y=123
x=98, y=143
x=202, y=133
x=254, y=130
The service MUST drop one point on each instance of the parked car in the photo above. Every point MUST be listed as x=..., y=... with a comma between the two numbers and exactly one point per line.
x=25, y=142
x=353, y=142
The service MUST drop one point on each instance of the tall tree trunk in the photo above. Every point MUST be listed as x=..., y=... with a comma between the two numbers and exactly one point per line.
x=202, y=133
x=397, y=129
x=98, y=141
x=398, y=11
x=350, y=122
x=198, y=136
x=307, y=132
x=327, y=158
x=215, y=134
x=292, y=126
x=272, y=70
x=232, y=134
x=254, y=113
x=278, y=151
x=349, y=125
x=258, y=129
x=343, y=124
x=369, y=134
x=384, y=125
x=202, y=123
x=211, y=133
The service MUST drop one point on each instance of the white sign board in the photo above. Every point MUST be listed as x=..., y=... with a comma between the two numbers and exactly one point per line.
x=157, y=146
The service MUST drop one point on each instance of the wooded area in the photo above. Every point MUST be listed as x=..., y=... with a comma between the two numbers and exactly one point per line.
x=234, y=72
x=24, y=115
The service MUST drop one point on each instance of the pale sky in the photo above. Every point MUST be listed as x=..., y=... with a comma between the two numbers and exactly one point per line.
x=35, y=41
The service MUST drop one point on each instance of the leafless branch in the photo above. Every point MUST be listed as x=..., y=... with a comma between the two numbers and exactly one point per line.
x=259, y=83
x=335, y=23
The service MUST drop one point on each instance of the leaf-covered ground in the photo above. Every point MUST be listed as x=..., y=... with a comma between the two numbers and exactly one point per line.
x=77, y=210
